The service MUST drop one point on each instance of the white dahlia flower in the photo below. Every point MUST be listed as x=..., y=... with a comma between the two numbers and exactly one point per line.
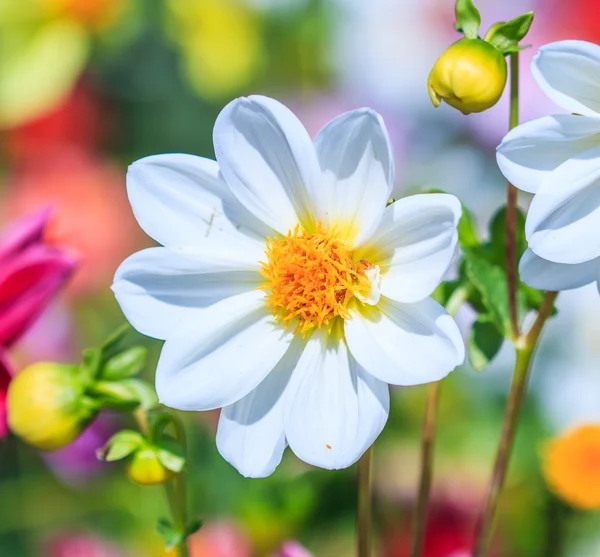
x=557, y=158
x=288, y=294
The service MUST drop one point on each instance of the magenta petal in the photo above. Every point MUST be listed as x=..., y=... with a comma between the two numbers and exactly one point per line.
x=4, y=381
x=28, y=282
x=23, y=233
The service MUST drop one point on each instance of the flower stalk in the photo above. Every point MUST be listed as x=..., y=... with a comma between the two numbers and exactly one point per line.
x=364, y=504
x=427, y=447
x=511, y=207
x=525, y=345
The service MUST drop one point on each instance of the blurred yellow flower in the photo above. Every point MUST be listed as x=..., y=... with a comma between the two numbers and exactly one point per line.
x=571, y=466
x=44, y=46
x=220, y=41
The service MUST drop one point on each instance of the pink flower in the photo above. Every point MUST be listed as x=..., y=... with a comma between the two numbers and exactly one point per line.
x=292, y=549
x=31, y=273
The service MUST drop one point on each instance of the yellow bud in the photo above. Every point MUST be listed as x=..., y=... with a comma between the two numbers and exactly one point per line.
x=145, y=468
x=46, y=407
x=470, y=76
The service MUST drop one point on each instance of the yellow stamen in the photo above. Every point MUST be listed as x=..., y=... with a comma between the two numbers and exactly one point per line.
x=310, y=277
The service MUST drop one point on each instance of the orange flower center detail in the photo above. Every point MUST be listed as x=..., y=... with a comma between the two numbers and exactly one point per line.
x=310, y=277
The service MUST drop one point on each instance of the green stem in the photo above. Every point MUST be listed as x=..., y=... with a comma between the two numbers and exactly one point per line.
x=511, y=207
x=177, y=493
x=364, y=504
x=525, y=346
x=427, y=445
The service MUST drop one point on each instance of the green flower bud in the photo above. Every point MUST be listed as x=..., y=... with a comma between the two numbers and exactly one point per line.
x=470, y=76
x=47, y=407
x=145, y=467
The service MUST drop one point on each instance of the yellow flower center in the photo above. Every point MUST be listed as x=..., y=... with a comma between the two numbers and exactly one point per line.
x=311, y=277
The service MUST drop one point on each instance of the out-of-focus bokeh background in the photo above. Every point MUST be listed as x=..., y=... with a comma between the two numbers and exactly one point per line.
x=88, y=86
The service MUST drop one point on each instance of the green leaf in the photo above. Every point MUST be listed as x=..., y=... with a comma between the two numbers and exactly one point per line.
x=498, y=235
x=144, y=391
x=483, y=343
x=506, y=37
x=468, y=19
x=125, y=364
x=170, y=454
x=126, y=394
x=120, y=445
x=171, y=535
x=193, y=526
x=490, y=281
x=91, y=361
x=467, y=235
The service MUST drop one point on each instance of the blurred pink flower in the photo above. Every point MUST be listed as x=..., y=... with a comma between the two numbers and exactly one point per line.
x=220, y=539
x=91, y=217
x=77, y=463
x=4, y=381
x=31, y=273
x=80, y=545
x=292, y=549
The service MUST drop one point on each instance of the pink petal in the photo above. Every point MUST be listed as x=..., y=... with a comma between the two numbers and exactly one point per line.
x=25, y=232
x=28, y=282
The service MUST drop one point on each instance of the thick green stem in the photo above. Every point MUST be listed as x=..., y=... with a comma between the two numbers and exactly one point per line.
x=511, y=207
x=364, y=504
x=427, y=446
x=525, y=346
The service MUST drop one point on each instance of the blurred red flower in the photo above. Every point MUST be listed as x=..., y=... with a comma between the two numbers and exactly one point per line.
x=79, y=121
x=80, y=545
x=31, y=273
x=91, y=218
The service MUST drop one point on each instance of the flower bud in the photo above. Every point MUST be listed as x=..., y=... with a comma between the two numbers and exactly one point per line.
x=146, y=468
x=470, y=76
x=47, y=407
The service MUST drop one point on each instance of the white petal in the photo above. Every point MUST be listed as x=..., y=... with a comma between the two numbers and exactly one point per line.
x=160, y=291
x=414, y=245
x=563, y=223
x=180, y=199
x=268, y=160
x=334, y=410
x=569, y=73
x=532, y=150
x=221, y=357
x=250, y=435
x=546, y=275
x=358, y=172
x=405, y=344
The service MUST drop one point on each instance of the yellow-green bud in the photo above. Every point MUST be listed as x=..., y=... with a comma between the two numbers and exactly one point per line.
x=145, y=468
x=470, y=76
x=46, y=406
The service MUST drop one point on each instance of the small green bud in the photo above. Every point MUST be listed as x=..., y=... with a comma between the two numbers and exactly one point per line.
x=47, y=406
x=146, y=468
x=470, y=76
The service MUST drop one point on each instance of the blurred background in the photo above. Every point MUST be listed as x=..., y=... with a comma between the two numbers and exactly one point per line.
x=88, y=86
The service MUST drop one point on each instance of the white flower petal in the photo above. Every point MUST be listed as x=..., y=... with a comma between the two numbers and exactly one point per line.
x=222, y=356
x=563, y=223
x=268, y=160
x=414, y=245
x=358, y=171
x=334, y=410
x=159, y=290
x=532, y=150
x=546, y=275
x=180, y=199
x=405, y=344
x=250, y=435
x=569, y=73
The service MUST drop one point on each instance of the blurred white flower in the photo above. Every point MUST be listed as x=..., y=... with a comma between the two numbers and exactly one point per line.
x=557, y=158
x=287, y=293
